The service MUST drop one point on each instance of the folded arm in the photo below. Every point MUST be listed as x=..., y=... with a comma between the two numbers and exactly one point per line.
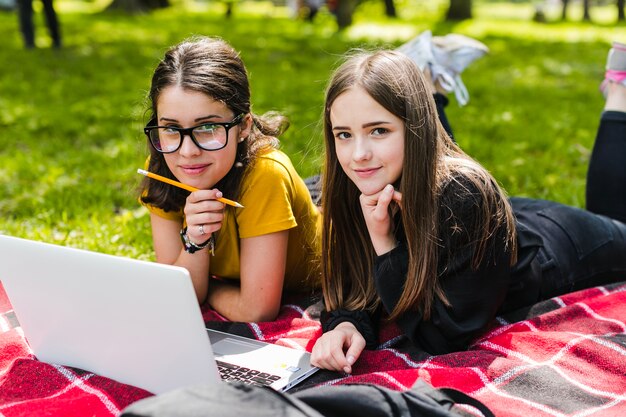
x=258, y=297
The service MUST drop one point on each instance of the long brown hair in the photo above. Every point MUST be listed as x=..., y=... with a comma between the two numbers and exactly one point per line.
x=210, y=66
x=431, y=160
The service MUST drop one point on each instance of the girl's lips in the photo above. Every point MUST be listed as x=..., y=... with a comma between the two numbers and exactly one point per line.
x=193, y=169
x=366, y=172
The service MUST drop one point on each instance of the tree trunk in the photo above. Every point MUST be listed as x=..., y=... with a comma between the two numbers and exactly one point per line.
x=390, y=9
x=459, y=10
x=564, y=12
x=586, y=14
x=344, y=11
x=620, y=10
x=134, y=6
x=229, y=8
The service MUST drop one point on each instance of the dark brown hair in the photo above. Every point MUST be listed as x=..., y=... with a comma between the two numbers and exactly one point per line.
x=431, y=160
x=210, y=66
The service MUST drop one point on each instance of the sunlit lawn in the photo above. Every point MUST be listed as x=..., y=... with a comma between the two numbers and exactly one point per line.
x=70, y=120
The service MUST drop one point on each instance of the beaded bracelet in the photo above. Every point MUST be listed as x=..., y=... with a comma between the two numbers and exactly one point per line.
x=191, y=247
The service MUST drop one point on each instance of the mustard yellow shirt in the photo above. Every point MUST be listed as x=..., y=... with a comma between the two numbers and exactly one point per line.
x=275, y=198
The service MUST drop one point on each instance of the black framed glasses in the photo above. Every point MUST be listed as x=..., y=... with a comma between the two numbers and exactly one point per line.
x=207, y=136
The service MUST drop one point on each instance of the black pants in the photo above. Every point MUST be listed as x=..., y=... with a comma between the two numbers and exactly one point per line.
x=25, y=9
x=606, y=177
x=580, y=248
x=585, y=248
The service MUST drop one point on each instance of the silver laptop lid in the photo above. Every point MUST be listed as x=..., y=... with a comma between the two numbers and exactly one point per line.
x=133, y=321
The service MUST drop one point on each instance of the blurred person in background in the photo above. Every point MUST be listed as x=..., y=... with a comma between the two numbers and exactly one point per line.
x=27, y=27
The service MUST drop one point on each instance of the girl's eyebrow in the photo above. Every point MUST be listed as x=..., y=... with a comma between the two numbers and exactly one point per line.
x=199, y=119
x=363, y=126
x=211, y=116
x=376, y=123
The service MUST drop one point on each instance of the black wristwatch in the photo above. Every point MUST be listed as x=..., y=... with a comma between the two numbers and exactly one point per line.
x=191, y=247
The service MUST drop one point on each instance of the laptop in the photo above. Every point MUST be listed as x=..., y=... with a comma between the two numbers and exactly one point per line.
x=132, y=321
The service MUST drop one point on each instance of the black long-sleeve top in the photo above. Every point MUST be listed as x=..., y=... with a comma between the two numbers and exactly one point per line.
x=475, y=296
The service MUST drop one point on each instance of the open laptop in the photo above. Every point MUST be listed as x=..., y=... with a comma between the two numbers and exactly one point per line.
x=136, y=322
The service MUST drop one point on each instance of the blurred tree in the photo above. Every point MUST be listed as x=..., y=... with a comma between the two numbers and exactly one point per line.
x=134, y=6
x=620, y=10
x=459, y=10
x=586, y=8
x=344, y=9
x=390, y=8
x=540, y=15
x=343, y=12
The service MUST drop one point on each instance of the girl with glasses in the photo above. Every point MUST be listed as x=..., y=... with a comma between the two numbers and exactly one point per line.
x=417, y=232
x=202, y=133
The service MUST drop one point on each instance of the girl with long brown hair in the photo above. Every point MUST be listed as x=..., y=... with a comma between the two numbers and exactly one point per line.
x=417, y=232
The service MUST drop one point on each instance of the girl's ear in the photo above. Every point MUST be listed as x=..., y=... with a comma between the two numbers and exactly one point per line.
x=246, y=128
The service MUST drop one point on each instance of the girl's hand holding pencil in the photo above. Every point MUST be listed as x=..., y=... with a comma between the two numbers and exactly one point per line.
x=184, y=186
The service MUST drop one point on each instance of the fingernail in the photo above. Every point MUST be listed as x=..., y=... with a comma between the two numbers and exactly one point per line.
x=347, y=369
x=389, y=188
x=350, y=359
x=218, y=194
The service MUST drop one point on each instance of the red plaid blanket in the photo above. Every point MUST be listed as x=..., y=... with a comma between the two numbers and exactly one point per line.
x=563, y=357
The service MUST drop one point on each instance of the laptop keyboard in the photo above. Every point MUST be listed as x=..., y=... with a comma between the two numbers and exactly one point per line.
x=230, y=372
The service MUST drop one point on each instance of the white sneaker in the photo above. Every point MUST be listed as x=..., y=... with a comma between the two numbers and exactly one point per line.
x=446, y=57
x=420, y=50
x=615, y=67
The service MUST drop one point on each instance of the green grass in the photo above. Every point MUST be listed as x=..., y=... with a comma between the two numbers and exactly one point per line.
x=70, y=120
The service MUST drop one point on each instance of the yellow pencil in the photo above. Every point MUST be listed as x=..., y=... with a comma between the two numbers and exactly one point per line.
x=184, y=186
